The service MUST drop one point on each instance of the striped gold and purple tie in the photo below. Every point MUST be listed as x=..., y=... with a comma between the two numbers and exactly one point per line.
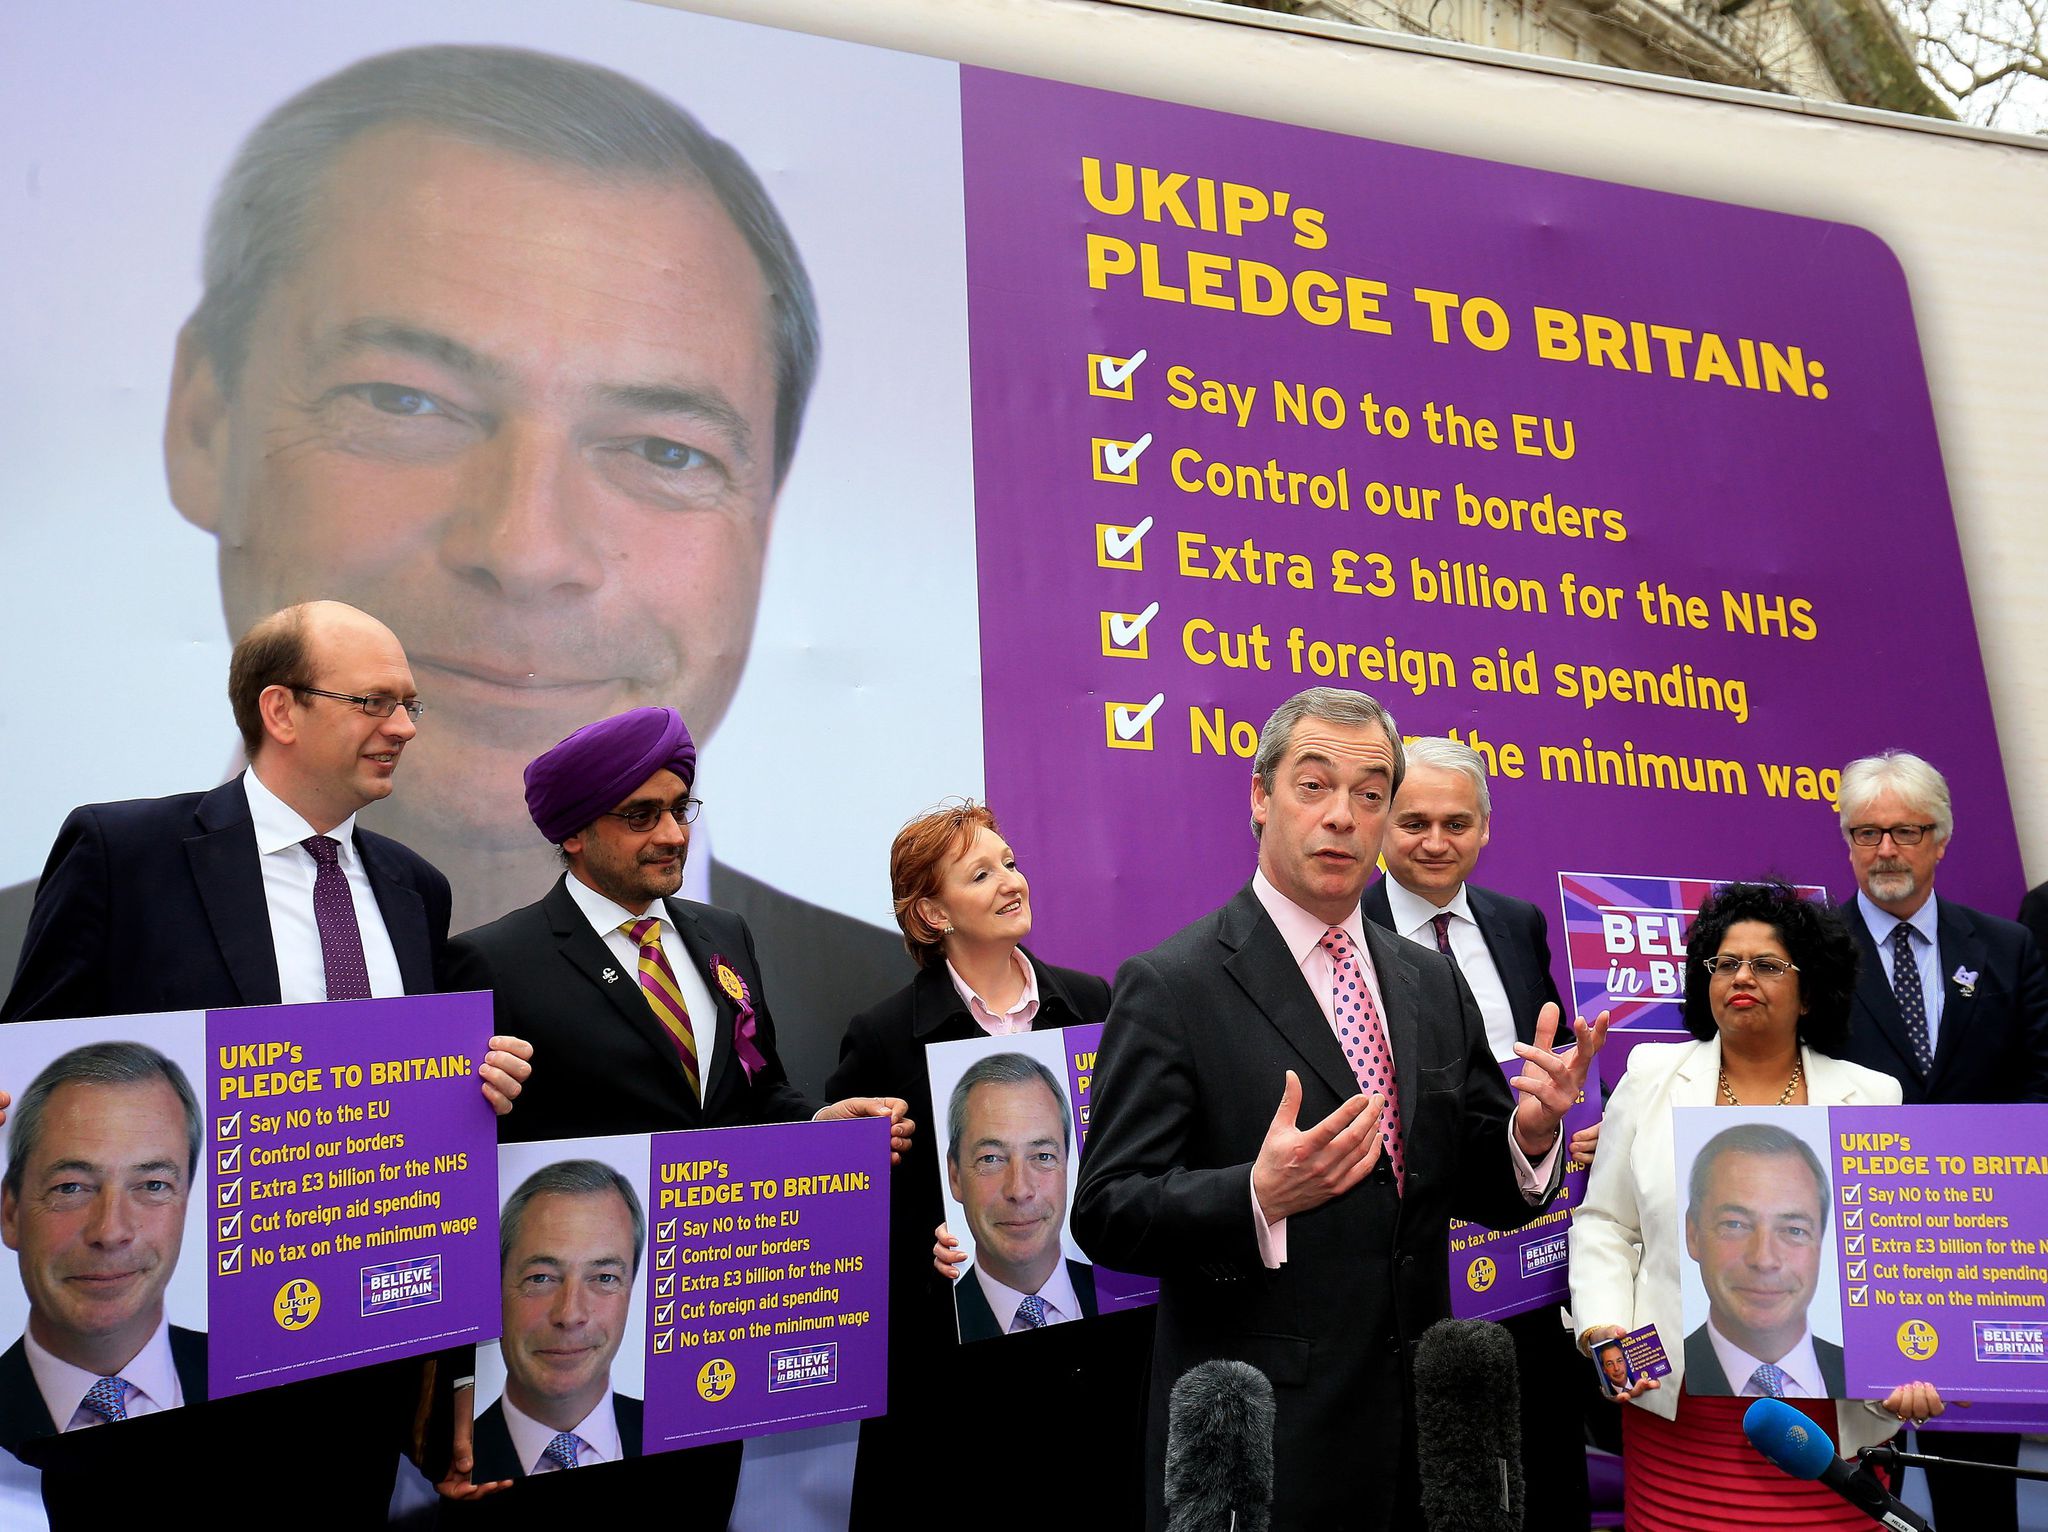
x=664, y=996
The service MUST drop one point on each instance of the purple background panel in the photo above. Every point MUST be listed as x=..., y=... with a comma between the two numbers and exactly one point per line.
x=1495, y=1273
x=307, y=1187
x=1720, y=490
x=1938, y=1236
x=712, y=1371
x=1624, y=943
x=1115, y=1291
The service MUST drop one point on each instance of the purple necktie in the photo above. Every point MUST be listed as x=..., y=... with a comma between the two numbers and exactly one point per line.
x=1442, y=921
x=1364, y=1041
x=334, y=907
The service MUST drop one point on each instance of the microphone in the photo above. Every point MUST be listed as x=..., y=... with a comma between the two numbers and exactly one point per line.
x=1219, y=1449
x=1802, y=1449
x=1468, y=1427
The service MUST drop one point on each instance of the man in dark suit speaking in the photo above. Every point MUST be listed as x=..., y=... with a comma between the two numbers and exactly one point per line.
x=1009, y=1139
x=569, y=1243
x=1318, y=1253
x=1755, y=1220
x=101, y=1154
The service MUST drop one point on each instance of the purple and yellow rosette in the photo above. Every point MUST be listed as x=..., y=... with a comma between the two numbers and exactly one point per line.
x=744, y=1048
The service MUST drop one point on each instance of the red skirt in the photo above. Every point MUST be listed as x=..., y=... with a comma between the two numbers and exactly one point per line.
x=1700, y=1474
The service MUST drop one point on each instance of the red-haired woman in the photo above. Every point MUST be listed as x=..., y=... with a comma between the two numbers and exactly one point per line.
x=965, y=911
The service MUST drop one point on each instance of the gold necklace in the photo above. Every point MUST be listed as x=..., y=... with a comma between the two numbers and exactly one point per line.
x=1791, y=1085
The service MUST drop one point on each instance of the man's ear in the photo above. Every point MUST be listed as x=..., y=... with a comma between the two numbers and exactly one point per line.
x=274, y=707
x=195, y=434
x=10, y=1213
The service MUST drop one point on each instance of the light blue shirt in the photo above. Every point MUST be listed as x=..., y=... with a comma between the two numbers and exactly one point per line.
x=1926, y=954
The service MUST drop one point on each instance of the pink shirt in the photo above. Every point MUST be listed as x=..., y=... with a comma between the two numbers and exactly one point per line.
x=1015, y=1019
x=1303, y=933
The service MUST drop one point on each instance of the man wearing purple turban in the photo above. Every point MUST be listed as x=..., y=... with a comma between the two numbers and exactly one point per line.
x=648, y=1011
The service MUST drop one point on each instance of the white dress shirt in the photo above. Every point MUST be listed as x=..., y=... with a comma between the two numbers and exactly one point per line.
x=599, y=1431
x=606, y=917
x=1415, y=918
x=1800, y=1366
x=151, y=1376
x=288, y=873
x=1303, y=933
x=1926, y=954
x=1062, y=1303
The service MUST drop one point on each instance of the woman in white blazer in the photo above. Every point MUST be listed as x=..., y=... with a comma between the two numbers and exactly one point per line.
x=1766, y=1023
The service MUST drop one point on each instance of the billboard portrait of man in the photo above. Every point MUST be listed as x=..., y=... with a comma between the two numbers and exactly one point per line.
x=1009, y=1151
x=512, y=350
x=102, y=1152
x=1756, y=1223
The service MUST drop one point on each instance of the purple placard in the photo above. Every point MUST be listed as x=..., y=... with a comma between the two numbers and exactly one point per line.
x=1177, y=318
x=1498, y=1272
x=1115, y=1291
x=769, y=1269
x=1624, y=940
x=1943, y=1214
x=351, y=1187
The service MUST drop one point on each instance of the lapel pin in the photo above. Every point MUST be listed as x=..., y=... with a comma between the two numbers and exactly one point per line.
x=611, y=976
x=1966, y=980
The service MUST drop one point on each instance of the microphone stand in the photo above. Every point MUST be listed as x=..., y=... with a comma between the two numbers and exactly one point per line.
x=1892, y=1458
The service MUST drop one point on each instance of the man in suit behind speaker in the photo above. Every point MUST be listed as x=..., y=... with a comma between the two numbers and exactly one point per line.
x=1318, y=1253
x=1953, y=1004
x=1441, y=819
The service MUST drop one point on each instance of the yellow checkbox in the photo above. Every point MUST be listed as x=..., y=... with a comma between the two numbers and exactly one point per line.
x=1111, y=377
x=1121, y=547
x=1128, y=725
x=231, y=1261
x=1124, y=633
x=1115, y=462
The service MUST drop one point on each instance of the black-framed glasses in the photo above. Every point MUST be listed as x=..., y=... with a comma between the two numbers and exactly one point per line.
x=1902, y=835
x=1723, y=967
x=643, y=817
x=377, y=705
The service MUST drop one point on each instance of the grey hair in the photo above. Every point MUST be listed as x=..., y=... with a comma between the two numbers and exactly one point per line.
x=1453, y=755
x=554, y=110
x=1001, y=1069
x=1331, y=704
x=114, y=1065
x=1908, y=776
x=569, y=1178
x=1759, y=1138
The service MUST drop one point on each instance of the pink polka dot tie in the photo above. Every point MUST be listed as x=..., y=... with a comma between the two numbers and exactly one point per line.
x=1364, y=1041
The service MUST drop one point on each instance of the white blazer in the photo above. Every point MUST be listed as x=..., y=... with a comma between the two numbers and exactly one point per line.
x=1625, y=1236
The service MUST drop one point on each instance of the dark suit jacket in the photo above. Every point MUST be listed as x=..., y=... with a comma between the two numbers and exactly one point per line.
x=602, y=1063
x=157, y=904
x=1993, y=1042
x=978, y=1320
x=1191, y=1067
x=1518, y=939
x=1704, y=1375
x=495, y=1458
x=24, y=1416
